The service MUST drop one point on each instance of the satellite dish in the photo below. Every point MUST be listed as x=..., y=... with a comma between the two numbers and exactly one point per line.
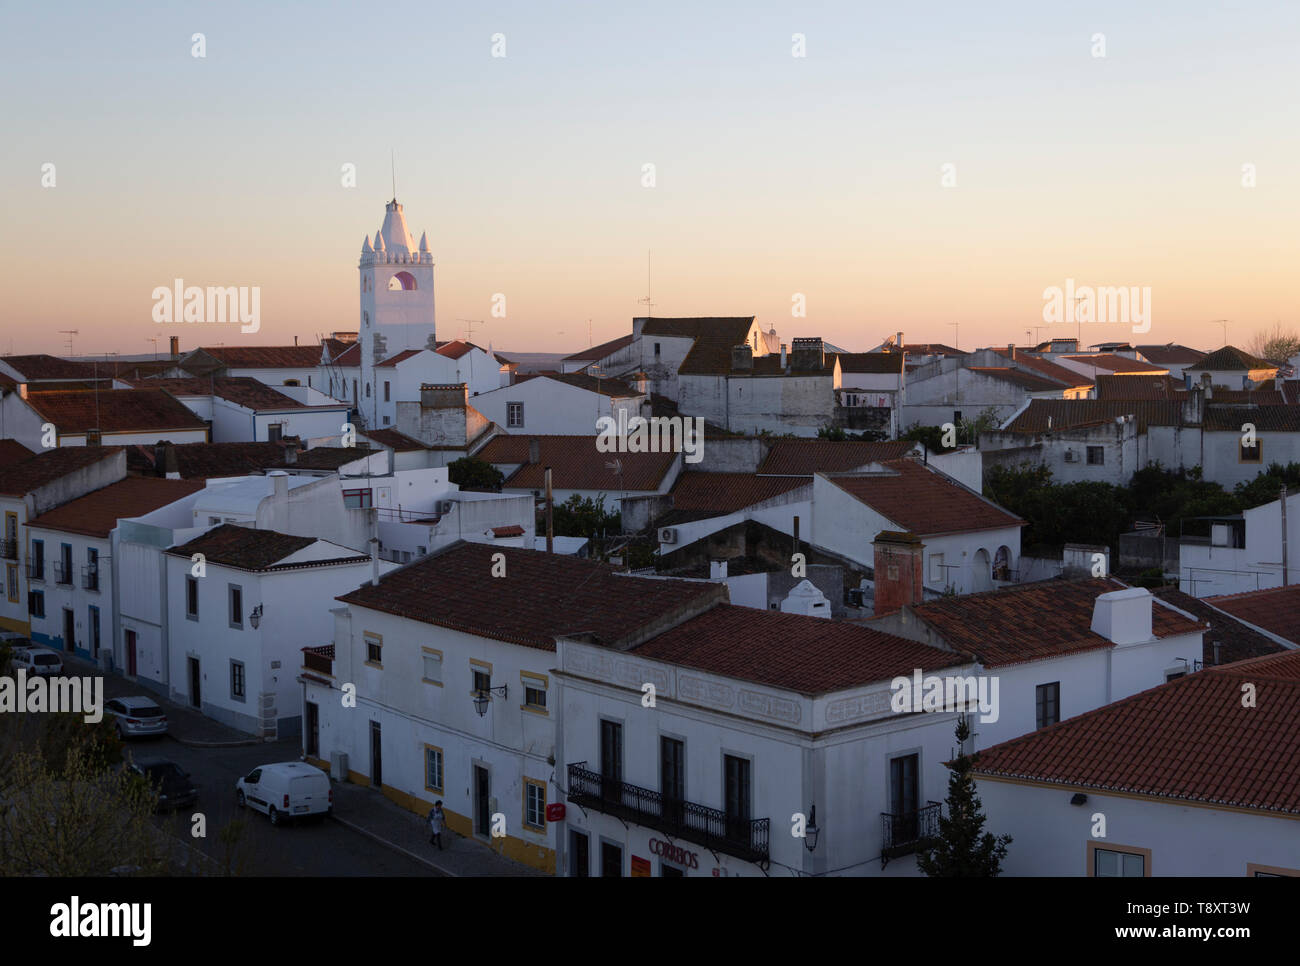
x=616, y=466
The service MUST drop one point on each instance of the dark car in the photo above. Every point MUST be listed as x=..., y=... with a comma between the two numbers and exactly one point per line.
x=175, y=790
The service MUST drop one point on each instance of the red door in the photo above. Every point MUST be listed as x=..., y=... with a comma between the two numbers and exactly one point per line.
x=130, y=653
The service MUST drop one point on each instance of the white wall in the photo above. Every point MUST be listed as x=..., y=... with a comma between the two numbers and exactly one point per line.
x=553, y=408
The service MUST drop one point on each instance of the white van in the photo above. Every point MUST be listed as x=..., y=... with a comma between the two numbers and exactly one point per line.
x=284, y=790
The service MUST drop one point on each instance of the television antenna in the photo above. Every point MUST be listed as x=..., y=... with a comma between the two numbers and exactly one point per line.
x=649, y=306
x=69, y=333
x=469, y=327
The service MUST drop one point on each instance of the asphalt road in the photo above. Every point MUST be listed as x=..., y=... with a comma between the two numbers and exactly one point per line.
x=317, y=847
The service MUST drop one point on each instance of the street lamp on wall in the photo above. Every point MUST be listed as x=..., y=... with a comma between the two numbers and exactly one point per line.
x=811, y=831
x=483, y=696
x=255, y=617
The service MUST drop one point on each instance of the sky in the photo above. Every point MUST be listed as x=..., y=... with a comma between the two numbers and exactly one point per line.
x=778, y=180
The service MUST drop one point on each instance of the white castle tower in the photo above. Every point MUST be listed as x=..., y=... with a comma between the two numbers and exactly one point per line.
x=396, y=301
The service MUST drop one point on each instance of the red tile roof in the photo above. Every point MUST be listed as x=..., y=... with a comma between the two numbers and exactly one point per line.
x=1265, y=419
x=887, y=363
x=804, y=457
x=114, y=410
x=729, y=492
x=1276, y=610
x=241, y=390
x=97, y=513
x=1107, y=362
x=576, y=464
x=1230, y=359
x=1065, y=376
x=1129, y=386
x=600, y=351
x=24, y=476
x=930, y=349
x=1044, y=415
x=714, y=339
x=1170, y=353
x=810, y=655
x=514, y=530
x=12, y=451
x=1236, y=641
x=548, y=595
x=246, y=548
x=402, y=356
x=204, y=460
x=322, y=458
x=923, y=501
x=614, y=388
x=1189, y=740
x=1025, y=380
x=51, y=367
x=266, y=356
x=392, y=439
x=455, y=348
x=344, y=355
x=1032, y=622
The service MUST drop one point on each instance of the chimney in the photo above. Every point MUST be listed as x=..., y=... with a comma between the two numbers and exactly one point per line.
x=900, y=341
x=1123, y=616
x=534, y=450
x=291, y=455
x=374, y=561
x=450, y=396
x=782, y=355
x=742, y=358
x=175, y=346
x=1011, y=351
x=1217, y=646
x=898, y=567
x=807, y=354
x=281, y=484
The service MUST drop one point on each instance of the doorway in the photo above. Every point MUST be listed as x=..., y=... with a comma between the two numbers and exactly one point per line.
x=130, y=653
x=611, y=860
x=313, y=729
x=69, y=630
x=196, y=697
x=482, y=791
x=376, y=756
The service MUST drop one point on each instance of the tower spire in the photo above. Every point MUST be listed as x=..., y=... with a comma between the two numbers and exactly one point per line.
x=392, y=157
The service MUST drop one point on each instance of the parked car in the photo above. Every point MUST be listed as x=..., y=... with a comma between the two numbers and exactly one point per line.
x=172, y=783
x=285, y=790
x=38, y=660
x=136, y=717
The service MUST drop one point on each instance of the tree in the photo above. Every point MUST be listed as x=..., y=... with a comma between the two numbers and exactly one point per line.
x=1267, y=486
x=985, y=422
x=1277, y=344
x=963, y=849
x=474, y=474
x=931, y=436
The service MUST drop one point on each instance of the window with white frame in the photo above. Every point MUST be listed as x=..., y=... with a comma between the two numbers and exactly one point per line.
x=432, y=666
x=433, y=768
x=534, y=691
x=514, y=415
x=534, y=804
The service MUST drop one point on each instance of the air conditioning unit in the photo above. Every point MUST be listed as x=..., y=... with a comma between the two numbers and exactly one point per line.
x=339, y=766
x=444, y=506
x=1070, y=457
x=668, y=535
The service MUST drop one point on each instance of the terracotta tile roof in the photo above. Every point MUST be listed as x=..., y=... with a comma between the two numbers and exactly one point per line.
x=1170, y=353
x=7, y=383
x=514, y=530
x=549, y=595
x=266, y=356
x=1230, y=359
x=1069, y=413
x=204, y=460
x=343, y=355
x=614, y=388
x=810, y=655
x=887, y=363
x=1129, y=386
x=1032, y=622
x=600, y=351
x=42, y=366
x=1266, y=419
x=1025, y=380
x=729, y=492
x=456, y=348
x=1236, y=641
x=1188, y=740
x=1276, y=610
x=12, y=451
x=392, y=439
x=1065, y=376
x=930, y=349
x=575, y=464
x=322, y=458
x=97, y=513
x=804, y=457
x=241, y=390
x=26, y=475
x=402, y=356
x=923, y=501
x=714, y=340
x=114, y=410
x=1112, y=363
x=257, y=550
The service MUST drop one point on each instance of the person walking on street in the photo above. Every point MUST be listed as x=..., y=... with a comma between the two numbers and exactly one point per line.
x=436, y=821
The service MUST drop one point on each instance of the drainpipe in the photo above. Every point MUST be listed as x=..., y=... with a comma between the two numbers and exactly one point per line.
x=1285, y=581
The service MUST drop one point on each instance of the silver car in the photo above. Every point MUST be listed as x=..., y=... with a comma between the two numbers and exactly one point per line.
x=38, y=660
x=137, y=716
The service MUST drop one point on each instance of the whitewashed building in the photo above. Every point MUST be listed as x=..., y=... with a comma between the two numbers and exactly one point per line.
x=562, y=404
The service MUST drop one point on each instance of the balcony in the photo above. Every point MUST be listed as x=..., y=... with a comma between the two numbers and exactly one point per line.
x=908, y=831
x=90, y=578
x=746, y=839
x=319, y=659
x=9, y=549
x=62, y=572
x=36, y=570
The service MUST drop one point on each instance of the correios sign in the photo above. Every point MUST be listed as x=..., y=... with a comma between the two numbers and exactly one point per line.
x=675, y=853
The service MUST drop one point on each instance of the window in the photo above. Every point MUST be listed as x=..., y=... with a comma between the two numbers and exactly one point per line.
x=611, y=750
x=579, y=854
x=656, y=350
x=365, y=318
x=192, y=598
x=432, y=768
x=1253, y=453
x=534, y=692
x=936, y=568
x=736, y=795
x=236, y=606
x=432, y=666
x=11, y=582
x=1096, y=456
x=237, y=680
x=388, y=396
x=367, y=390
x=905, y=797
x=37, y=564
x=956, y=417
x=514, y=415
x=1047, y=702
x=482, y=682
x=214, y=521
x=374, y=649
x=357, y=499
x=64, y=576
x=1123, y=862
x=672, y=777
x=534, y=804
x=274, y=432
x=292, y=382
x=387, y=420
x=36, y=603
x=92, y=569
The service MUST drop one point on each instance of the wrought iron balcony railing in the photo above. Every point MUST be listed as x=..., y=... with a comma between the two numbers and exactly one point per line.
x=90, y=577
x=62, y=573
x=710, y=827
x=908, y=831
x=9, y=549
x=35, y=569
